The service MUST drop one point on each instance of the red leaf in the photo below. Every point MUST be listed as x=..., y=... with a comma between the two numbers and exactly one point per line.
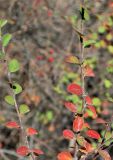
x=31, y=131
x=64, y=156
x=89, y=72
x=74, y=89
x=22, y=151
x=93, y=134
x=88, y=100
x=37, y=151
x=12, y=124
x=70, y=106
x=104, y=154
x=51, y=59
x=78, y=124
x=68, y=134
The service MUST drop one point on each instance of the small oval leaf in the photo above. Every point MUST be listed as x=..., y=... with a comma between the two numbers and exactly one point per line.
x=104, y=154
x=68, y=134
x=13, y=65
x=31, y=131
x=70, y=106
x=17, y=88
x=64, y=156
x=3, y=22
x=78, y=124
x=6, y=38
x=22, y=151
x=93, y=134
x=74, y=89
x=24, y=109
x=12, y=124
x=9, y=99
x=72, y=59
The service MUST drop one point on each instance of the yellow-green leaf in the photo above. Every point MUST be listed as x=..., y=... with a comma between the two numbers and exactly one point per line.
x=6, y=38
x=88, y=43
x=24, y=109
x=13, y=65
x=9, y=99
x=3, y=22
x=17, y=88
x=72, y=59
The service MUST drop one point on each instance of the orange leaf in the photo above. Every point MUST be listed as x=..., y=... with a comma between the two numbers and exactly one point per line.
x=72, y=59
x=70, y=106
x=78, y=124
x=31, y=131
x=88, y=146
x=88, y=72
x=93, y=134
x=22, y=151
x=104, y=154
x=68, y=134
x=74, y=89
x=64, y=156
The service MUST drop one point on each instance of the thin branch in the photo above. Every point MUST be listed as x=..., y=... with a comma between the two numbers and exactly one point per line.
x=23, y=134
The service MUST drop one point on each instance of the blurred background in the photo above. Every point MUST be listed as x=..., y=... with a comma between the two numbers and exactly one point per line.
x=43, y=36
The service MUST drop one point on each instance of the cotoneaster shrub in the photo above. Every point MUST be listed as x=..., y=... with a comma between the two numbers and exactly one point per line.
x=87, y=143
x=93, y=104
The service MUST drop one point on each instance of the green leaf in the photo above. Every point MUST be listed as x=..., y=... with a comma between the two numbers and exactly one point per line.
x=101, y=29
x=109, y=37
x=96, y=102
x=17, y=88
x=73, y=19
x=110, y=49
x=90, y=113
x=88, y=43
x=84, y=14
x=57, y=89
x=108, y=135
x=49, y=115
x=3, y=22
x=9, y=99
x=13, y=65
x=107, y=83
x=6, y=38
x=24, y=109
